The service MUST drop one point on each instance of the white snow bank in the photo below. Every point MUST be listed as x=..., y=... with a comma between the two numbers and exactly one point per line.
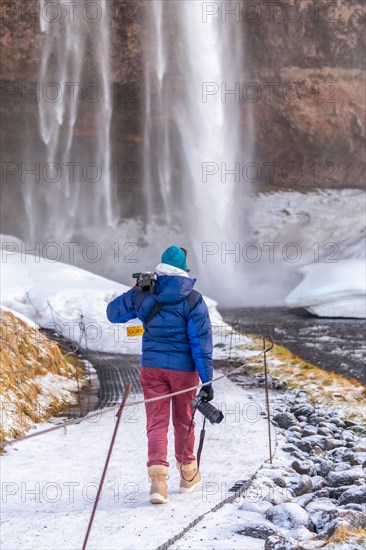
x=332, y=289
x=55, y=295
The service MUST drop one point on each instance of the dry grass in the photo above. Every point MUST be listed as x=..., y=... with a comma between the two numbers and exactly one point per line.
x=27, y=358
x=323, y=388
x=343, y=534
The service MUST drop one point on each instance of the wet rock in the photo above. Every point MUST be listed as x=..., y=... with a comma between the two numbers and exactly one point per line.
x=275, y=475
x=336, y=492
x=354, y=517
x=355, y=495
x=289, y=448
x=321, y=493
x=314, y=419
x=305, y=446
x=330, y=521
x=296, y=428
x=342, y=466
x=258, y=529
x=325, y=431
x=324, y=468
x=360, y=447
x=298, y=454
x=339, y=423
x=309, y=442
x=318, y=483
x=332, y=443
x=299, y=484
x=330, y=527
x=304, y=467
x=303, y=410
x=276, y=542
x=353, y=506
x=285, y=420
x=289, y=516
x=309, y=430
x=347, y=477
x=319, y=511
x=354, y=458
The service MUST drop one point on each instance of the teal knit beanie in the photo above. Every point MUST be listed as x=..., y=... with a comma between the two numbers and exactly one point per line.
x=175, y=256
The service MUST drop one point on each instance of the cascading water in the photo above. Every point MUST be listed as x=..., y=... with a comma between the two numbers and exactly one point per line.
x=75, y=111
x=191, y=124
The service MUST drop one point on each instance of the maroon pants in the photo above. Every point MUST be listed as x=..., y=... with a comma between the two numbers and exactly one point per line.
x=156, y=382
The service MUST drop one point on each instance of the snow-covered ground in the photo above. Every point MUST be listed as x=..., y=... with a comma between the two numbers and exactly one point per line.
x=332, y=290
x=55, y=295
x=49, y=482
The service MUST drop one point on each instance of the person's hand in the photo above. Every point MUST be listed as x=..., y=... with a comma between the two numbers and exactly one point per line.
x=206, y=393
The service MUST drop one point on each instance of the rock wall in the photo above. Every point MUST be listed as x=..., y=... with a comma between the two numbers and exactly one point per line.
x=303, y=77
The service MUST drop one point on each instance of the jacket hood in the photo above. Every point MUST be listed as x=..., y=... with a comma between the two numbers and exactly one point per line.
x=171, y=289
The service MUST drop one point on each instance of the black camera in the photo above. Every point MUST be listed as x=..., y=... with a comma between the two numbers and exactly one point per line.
x=215, y=416
x=145, y=281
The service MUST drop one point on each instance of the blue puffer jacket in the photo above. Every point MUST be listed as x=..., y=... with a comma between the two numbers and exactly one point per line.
x=176, y=338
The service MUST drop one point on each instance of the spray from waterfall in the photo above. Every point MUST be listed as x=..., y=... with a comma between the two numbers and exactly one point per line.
x=195, y=139
x=75, y=110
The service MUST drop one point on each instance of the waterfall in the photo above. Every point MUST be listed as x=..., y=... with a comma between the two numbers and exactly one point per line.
x=194, y=133
x=75, y=110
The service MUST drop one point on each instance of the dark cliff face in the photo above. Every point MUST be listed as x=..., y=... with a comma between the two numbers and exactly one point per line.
x=303, y=77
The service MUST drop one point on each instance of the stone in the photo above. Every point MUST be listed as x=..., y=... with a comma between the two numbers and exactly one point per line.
x=355, y=459
x=276, y=542
x=309, y=430
x=347, y=477
x=318, y=483
x=305, y=467
x=342, y=466
x=324, y=468
x=285, y=420
x=314, y=419
x=325, y=431
x=299, y=484
x=258, y=529
x=303, y=410
x=353, y=506
x=355, y=495
x=295, y=429
x=309, y=442
x=354, y=517
x=275, y=475
x=289, y=516
x=333, y=519
x=339, y=423
x=332, y=443
x=289, y=448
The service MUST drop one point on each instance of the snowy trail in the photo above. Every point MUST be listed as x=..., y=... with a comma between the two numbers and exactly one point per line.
x=49, y=482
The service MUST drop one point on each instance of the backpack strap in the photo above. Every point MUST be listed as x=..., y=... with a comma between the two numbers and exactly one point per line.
x=140, y=296
x=193, y=299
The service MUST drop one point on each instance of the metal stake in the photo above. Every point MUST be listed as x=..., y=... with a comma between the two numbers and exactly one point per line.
x=119, y=416
x=265, y=350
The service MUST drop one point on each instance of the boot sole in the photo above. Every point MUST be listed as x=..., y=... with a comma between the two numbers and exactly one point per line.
x=155, y=498
x=190, y=489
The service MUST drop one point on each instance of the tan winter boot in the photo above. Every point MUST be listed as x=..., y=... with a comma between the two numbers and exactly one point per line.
x=158, y=490
x=190, y=477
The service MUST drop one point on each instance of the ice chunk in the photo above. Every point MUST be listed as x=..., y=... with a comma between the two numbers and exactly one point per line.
x=332, y=289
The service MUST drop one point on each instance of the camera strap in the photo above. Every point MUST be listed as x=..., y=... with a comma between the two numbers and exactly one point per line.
x=200, y=446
